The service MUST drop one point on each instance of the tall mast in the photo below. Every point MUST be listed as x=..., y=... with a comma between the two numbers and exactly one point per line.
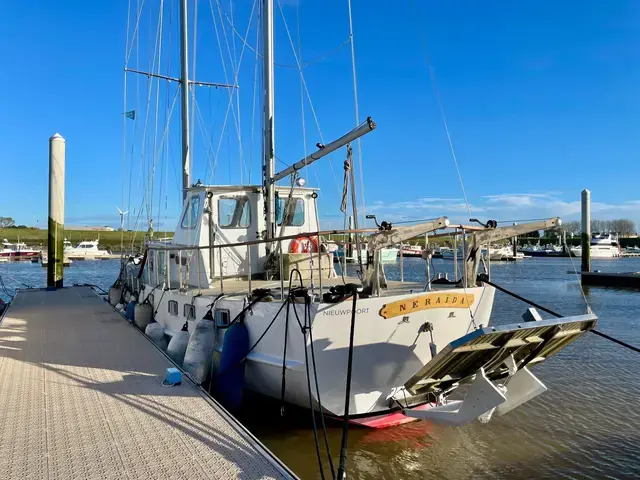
x=268, y=141
x=184, y=86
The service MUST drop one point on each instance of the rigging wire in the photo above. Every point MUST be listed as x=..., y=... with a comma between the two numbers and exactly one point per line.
x=306, y=89
x=164, y=137
x=357, y=111
x=236, y=73
x=134, y=38
x=432, y=75
x=235, y=66
x=255, y=97
x=124, y=118
x=157, y=110
x=306, y=64
x=164, y=173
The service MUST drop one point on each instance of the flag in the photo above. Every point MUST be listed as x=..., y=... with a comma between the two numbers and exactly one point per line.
x=131, y=114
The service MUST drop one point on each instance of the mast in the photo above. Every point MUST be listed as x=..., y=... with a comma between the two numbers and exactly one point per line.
x=268, y=141
x=184, y=85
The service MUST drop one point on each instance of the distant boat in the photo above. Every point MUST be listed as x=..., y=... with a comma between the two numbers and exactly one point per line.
x=87, y=250
x=411, y=250
x=602, y=245
x=17, y=251
x=504, y=253
x=543, y=251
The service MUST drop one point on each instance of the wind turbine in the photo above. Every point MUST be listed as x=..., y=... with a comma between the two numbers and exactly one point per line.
x=122, y=214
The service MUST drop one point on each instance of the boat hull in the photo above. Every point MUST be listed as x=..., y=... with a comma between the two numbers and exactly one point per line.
x=388, y=348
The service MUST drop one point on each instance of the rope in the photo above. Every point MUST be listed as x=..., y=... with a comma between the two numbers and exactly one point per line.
x=575, y=271
x=342, y=469
x=432, y=75
x=557, y=315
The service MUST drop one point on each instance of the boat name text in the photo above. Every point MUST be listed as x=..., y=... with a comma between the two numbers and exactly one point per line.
x=425, y=302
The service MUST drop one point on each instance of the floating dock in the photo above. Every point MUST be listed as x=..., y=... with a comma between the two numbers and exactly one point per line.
x=81, y=396
x=611, y=279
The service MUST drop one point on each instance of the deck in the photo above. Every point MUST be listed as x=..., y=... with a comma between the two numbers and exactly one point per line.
x=240, y=287
x=81, y=397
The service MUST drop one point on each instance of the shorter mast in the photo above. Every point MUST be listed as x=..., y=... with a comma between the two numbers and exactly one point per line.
x=268, y=163
x=184, y=85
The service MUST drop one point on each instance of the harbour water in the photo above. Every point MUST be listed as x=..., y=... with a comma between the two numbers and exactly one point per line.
x=585, y=426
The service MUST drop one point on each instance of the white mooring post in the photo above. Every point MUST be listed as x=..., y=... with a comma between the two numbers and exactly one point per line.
x=55, y=266
x=586, y=230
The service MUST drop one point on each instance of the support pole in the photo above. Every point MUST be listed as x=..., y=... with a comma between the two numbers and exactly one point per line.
x=55, y=247
x=455, y=256
x=184, y=99
x=268, y=161
x=586, y=230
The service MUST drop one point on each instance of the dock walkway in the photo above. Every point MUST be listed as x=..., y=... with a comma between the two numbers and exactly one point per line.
x=81, y=397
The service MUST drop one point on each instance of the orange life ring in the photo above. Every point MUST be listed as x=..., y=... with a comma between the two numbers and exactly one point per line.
x=304, y=244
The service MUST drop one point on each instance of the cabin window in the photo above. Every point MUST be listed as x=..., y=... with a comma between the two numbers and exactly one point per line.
x=162, y=265
x=222, y=317
x=192, y=214
x=234, y=212
x=189, y=311
x=293, y=216
x=173, y=307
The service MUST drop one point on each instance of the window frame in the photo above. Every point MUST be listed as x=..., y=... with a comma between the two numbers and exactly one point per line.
x=188, y=210
x=170, y=304
x=296, y=201
x=189, y=311
x=247, y=204
x=217, y=317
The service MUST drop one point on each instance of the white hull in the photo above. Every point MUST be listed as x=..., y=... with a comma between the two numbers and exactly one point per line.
x=599, y=251
x=388, y=351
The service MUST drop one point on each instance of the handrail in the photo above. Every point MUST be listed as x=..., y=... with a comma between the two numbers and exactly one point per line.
x=260, y=241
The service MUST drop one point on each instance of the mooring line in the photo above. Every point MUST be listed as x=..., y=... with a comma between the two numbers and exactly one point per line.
x=555, y=314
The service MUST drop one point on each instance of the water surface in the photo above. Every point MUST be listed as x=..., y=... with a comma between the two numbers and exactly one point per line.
x=587, y=426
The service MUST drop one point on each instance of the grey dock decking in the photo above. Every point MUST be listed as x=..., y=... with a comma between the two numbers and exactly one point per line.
x=81, y=398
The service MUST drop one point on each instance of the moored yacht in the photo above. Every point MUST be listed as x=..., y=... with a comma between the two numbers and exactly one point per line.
x=601, y=245
x=17, y=251
x=247, y=280
x=86, y=250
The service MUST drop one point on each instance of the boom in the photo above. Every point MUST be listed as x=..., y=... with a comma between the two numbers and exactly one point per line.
x=484, y=237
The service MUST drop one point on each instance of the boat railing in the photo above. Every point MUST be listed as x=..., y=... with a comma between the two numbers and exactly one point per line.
x=189, y=261
x=183, y=273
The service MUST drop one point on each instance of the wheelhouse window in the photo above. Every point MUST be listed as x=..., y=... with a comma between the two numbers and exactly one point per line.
x=290, y=212
x=234, y=212
x=191, y=215
x=173, y=307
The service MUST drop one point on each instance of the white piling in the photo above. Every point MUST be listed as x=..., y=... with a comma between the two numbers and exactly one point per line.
x=586, y=230
x=56, y=212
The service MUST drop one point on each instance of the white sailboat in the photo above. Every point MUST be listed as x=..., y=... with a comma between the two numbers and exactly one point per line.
x=230, y=262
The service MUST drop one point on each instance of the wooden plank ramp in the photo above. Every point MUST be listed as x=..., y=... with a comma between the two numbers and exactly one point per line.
x=81, y=397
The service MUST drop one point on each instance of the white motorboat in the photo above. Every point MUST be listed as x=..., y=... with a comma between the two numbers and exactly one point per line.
x=245, y=265
x=86, y=250
x=601, y=245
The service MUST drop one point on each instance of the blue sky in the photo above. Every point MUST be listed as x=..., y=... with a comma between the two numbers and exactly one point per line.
x=541, y=99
